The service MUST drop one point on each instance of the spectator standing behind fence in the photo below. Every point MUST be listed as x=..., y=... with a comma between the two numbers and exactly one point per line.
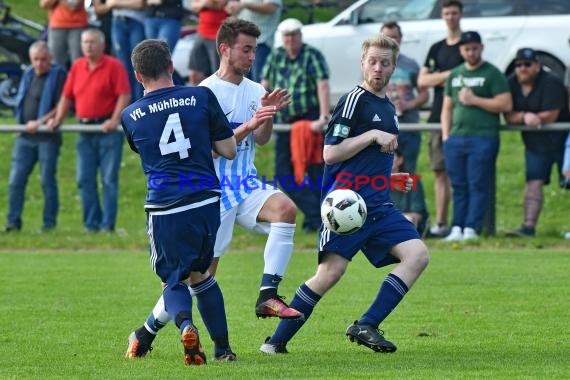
x=401, y=91
x=66, y=20
x=412, y=204
x=442, y=57
x=303, y=72
x=538, y=98
x=408, y=97
x=127, y=30
x=566, y=173
x=164, y=20
x=566, y=163
x=99, y=86
x=204, y=58
x=266, y=15
x=39, y=91
x=476, y=93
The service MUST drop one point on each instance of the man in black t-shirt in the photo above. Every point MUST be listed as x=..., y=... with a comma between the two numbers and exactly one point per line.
x=442, y=57
x=539, y=97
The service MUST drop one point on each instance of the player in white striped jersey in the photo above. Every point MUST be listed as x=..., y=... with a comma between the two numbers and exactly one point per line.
x=245, y=200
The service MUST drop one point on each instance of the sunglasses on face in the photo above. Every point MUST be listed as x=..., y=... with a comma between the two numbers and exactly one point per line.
x=525, y=64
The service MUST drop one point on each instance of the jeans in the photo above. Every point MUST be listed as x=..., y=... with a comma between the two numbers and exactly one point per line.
x=470, y=163
x=127, y=33
x=65, y=44
x=306, y=199
x=103, y=151
x=410, y=144
x=28, y=151
x=164, y=28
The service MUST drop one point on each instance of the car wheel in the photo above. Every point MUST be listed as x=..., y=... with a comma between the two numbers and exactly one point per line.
x=8, y=91
x=552, y=64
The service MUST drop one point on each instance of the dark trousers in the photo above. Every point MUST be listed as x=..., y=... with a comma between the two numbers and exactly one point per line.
x=307, y=199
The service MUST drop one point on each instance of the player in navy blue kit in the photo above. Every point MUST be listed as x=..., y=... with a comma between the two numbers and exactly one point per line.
x=360, y=140
x=175, y=129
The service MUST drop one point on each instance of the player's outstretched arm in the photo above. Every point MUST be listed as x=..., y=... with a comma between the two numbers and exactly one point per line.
x=226, y=148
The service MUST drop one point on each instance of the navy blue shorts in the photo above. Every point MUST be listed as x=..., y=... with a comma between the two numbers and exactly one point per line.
x=385, y=227
x=538, y=165
x=182, y=239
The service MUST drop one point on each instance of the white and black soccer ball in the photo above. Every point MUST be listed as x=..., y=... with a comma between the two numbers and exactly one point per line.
x=343, y=211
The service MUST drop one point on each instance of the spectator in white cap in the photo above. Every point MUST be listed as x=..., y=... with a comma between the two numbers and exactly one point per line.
x=290, y=26
x=303, y=72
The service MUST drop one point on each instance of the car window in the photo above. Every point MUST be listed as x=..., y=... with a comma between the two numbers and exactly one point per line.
x=381, y=11
x=548, y=7
x=489, y=8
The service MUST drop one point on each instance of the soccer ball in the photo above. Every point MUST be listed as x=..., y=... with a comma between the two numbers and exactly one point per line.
x=343, y=211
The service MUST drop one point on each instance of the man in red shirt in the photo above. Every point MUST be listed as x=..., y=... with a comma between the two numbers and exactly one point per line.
x=204, y=58
x=98, y=84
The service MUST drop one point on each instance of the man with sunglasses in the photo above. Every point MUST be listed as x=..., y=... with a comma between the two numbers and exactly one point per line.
x=539, y=97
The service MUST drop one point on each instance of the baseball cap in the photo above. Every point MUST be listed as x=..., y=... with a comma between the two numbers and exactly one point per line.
x=468, y=37
x=289, y=25
x=526, y=54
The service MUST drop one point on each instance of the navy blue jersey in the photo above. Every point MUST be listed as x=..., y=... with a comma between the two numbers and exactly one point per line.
x=356, y=113
x=173, y=130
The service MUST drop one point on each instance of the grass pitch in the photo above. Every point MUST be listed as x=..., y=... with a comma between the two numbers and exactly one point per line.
x=474, y=314
x=493, y=309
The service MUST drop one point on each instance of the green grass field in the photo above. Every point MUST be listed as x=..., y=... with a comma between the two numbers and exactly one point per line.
x=495, y=314
x=496, y=308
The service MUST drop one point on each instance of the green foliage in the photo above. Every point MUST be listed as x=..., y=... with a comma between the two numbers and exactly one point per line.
x=497, y=314
x=29, y=9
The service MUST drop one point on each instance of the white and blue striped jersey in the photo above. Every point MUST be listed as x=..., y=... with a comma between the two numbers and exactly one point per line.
x=239, y=103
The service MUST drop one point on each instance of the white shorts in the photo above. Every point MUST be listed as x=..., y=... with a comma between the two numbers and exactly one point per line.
x=244, y=214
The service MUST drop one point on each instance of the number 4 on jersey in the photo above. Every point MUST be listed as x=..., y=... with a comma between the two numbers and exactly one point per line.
x=181, y=144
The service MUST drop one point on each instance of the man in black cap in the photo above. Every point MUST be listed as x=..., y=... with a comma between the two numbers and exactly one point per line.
x=539, y=97
x=475, y=95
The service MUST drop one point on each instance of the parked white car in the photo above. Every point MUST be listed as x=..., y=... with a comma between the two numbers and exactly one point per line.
x=181, y=54
x=504, y=25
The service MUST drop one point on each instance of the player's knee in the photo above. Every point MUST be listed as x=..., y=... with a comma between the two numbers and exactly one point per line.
x=331, y=277
x=287, y=211
x=330, y=272
x=420, y=258
x=197, y=277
